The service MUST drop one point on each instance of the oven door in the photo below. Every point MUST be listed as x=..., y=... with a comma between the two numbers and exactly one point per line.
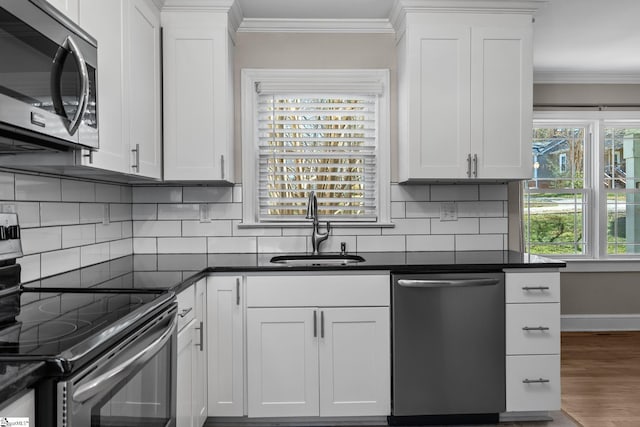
x=133, y=384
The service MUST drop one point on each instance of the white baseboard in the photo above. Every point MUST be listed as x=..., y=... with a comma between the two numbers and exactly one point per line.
x=600, y=322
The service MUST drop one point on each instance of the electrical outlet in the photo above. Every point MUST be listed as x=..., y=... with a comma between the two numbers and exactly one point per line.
x=448, y=211
x=204, y=213
x=105, y=214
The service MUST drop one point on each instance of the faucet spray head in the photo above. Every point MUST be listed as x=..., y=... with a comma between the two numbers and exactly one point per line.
x=312, y=206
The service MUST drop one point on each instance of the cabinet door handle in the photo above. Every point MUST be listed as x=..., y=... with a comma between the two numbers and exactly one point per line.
x=538, y=381
x=535, y=328
x=88, y=155
x=315, y=324
x=237, y=291
x=475, y=165
x=535, y=288
x=469, y=165
x=322, y=324
x=185, y=311
x=201, y=343
x=222, y=166
x=136, y=165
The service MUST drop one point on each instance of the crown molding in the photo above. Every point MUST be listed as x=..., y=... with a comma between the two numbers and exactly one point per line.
x=255, y=25
x=200, y=5
x=566, y=77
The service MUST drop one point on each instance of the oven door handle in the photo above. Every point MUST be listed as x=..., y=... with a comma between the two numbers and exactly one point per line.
x=104, y=381
x=446, y=283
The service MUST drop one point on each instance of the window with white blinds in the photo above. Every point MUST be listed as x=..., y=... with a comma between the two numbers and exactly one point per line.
x=321, y=142
x=317, y=132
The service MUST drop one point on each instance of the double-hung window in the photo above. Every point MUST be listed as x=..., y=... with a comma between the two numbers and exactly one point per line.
x=325, y=131
x=584, y=198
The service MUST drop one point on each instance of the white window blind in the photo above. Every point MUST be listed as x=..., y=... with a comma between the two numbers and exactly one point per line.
x=317, y=141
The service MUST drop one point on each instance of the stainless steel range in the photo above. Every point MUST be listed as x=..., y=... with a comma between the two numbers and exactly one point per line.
x=110, y=354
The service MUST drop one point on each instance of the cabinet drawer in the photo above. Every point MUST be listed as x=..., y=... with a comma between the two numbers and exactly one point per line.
x=533, y=328
x=318, y=290
x=186, y=306
x=533, y=383
x=532, y=287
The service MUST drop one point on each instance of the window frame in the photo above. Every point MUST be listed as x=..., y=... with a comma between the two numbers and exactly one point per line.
x=595, y=222
x=312, y=80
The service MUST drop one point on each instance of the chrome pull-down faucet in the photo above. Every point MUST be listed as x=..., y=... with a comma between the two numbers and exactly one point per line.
x=312, y=213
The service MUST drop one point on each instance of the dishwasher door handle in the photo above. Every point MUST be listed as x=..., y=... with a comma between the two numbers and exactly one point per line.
x=445, y=283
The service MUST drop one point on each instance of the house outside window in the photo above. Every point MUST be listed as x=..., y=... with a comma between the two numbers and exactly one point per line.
x=584, y=198
x=315, y=130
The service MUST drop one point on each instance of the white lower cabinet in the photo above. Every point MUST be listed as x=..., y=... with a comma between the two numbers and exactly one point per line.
x=191, y=393
x=22, y=407
x=532, y=341
x=225, y=337
x=313, y=360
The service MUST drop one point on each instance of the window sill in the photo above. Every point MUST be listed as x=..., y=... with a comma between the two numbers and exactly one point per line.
x=602, y=265
x=248, y=225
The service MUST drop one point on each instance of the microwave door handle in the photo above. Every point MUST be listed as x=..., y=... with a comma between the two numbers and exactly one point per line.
x=98, y=383
x=83, y=101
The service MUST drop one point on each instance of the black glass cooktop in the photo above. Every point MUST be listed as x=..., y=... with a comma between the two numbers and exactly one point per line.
x=64, y=327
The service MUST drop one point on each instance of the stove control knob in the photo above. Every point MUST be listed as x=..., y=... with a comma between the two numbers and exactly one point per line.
x=13, y=232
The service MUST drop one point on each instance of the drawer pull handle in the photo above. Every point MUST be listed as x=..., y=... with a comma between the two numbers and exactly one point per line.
x=185, y=312
x=538, y=381
x=237, y=291
x=535, y=288
x=535, y=328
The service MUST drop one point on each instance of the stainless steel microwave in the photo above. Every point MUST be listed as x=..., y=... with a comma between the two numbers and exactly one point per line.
x=48, y=72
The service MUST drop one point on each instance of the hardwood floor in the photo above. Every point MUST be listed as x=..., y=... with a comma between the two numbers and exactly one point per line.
x=601, y=378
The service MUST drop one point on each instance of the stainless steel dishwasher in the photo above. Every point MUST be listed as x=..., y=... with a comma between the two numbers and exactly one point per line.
x=448, y=348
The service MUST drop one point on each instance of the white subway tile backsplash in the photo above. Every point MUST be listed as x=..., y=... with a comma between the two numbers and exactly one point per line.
x=108, y=232
x=302, y=231
x=207, y=194
x=480, y=209
x=380, y=243
x=120, y=212
x=461, y=226
x=410, y=193
x=454, y=192
x=127, y=229
x=282, y=244
x=409, y=226
x=254, y=231
x=36, y=187
x=59, y=214
x=78, y=191
x=225, y=210
x=107, y=193
x=179, y=211
x=430, y=243
x=213, y=228
x=157, y=194
x=91, y=213
x=356, y=231
x=145, y=211
x=7, y=186
x=237, y=194
x=28, y=214
x=36, y=240
x=93, y=254
x=493, y=192
x=78, y=235
x=119, y=248
x=182, y=245
x=398, y=210
x=219, y=245
x=126, y=194
x=423, y=209
x=29, y=267
x=145, y=245
x=479, y=242
x=59, y=261
x=332, y=244
x=494, y=225
x=157, y=228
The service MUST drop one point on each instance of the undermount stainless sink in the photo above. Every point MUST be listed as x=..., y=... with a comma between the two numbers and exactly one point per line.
x=329, y=259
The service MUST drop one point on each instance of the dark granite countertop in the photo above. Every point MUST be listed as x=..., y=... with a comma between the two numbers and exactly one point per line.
x=177, y=271
x=17, y=377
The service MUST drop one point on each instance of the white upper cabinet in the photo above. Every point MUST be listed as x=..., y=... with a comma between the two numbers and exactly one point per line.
x=128, y=35
x=198, y=94
x=68, y=7
x=465, y=83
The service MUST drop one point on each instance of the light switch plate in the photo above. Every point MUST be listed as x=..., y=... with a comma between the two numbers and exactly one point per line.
x=448, y=211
